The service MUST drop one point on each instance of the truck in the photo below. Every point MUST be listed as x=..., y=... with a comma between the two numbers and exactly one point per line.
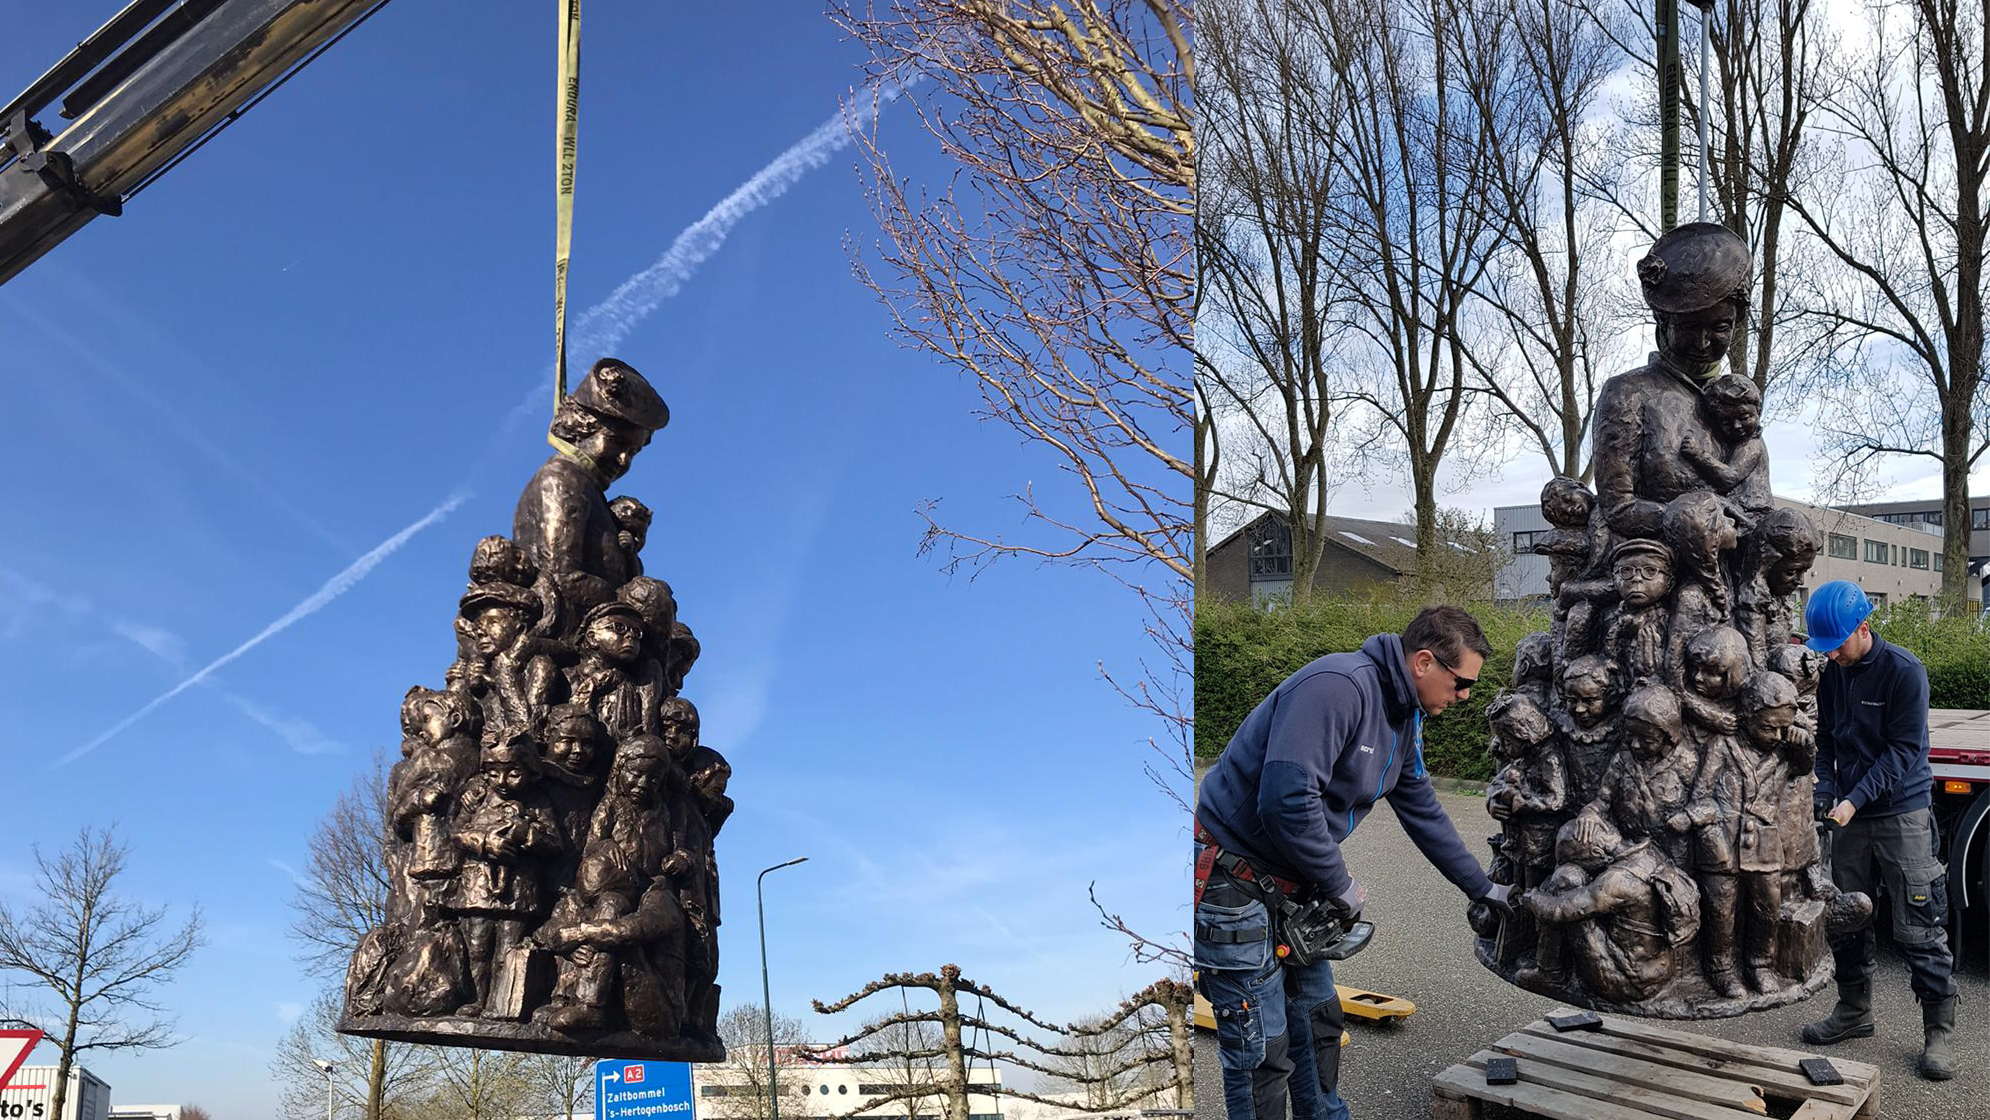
x=31, y=1091
x=1959, y=751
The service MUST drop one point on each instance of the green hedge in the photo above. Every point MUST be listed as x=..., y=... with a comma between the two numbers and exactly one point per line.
x=1955, y=650
x=1242, y=653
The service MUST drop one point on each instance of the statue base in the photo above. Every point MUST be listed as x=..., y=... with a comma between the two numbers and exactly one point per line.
x=1688, y=996
x=532, y=1038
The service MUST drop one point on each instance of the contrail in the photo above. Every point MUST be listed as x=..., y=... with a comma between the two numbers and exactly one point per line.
x=599, y=330
x=333, y=588
x=605, y=326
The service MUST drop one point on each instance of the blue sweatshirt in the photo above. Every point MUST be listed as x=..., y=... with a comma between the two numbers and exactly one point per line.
x=1311, y=760
x=1872, y=733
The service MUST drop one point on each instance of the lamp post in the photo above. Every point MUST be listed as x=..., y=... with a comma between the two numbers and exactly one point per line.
x=330, y=1091
x=766, y=992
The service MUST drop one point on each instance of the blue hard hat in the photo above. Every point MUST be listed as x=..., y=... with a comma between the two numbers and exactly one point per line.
x=1833, y=613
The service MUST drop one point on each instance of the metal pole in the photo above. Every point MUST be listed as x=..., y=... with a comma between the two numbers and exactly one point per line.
x=1706, y=108
x=766, y=991
x=1667, y=23
x=331, y=1098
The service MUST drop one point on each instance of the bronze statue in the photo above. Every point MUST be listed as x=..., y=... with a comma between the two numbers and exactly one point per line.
x=1689, y=883
x=550, y=826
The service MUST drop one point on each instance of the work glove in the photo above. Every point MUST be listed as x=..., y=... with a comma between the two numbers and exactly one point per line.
x=1821, y=801
x=1497, y=899
x=1354, y=898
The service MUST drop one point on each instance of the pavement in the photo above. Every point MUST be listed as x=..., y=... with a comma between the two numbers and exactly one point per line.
x=1423, y=952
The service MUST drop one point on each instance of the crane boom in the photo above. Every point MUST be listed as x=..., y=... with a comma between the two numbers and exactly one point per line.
x=143, y=90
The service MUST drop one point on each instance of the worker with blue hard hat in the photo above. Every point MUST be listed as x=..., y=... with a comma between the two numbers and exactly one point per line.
x=1873, y=773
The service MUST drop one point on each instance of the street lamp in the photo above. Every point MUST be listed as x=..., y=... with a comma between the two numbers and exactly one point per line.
x=766, y=993
x=330, y=1091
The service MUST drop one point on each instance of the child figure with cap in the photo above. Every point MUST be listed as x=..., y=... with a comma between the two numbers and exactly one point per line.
x=1736, y=811
x=505, y=828
x=1637, y=627
x=605, y=682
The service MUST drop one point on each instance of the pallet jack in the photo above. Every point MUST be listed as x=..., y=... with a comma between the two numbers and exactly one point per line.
x=1354, y=1002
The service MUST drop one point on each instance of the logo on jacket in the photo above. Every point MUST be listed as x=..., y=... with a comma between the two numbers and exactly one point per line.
x=1365, y=749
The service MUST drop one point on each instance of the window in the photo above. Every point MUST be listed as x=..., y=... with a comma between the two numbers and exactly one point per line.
x=712, y=1090
x=1917, y=558
x=842, y=1089
x=1980, y=518
x=1938, y=561
x=824, y=1089
x=872, y=1090
x=1876, y=552
x=1844, y=547
x=1523, y=543
x=1878, y=598
x=1271, y=551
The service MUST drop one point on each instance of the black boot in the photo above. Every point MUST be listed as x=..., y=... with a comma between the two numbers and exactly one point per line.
x=1937, y=1024
x=1852, y=1018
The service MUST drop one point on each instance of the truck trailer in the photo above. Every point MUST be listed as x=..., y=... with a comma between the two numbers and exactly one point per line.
x=31, y=1091
x=1959, y=750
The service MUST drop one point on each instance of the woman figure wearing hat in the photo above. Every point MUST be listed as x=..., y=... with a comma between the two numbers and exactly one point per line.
x=1695, y=280
x=563, y=521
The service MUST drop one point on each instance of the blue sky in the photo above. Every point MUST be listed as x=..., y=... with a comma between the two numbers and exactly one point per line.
x=310, y=337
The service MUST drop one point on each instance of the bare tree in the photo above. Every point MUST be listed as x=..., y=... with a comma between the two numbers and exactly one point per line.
x=743, y=1029
x=948, y=1040
x=1535, y=72
x=1771, y=71
x=1138, y=1052
x=343, y=894
x=1057, y=272
x=1907, y=220
x=1268, y=262
x=473, y=1084
x=403, y=1082
x=1416, y=165
x=101, y=956
x=561, y=1084
x=194, y=1112
x=1464, y=565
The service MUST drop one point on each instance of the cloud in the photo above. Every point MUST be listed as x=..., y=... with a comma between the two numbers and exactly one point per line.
x=333, y=588
x=159, y=642
x=288, y=870
x=603, y=328
x=302, y=735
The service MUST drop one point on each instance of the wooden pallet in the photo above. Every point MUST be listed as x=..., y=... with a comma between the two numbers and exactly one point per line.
x=1629, y=1070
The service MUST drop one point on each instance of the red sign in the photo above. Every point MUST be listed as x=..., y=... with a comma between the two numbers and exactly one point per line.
x=633, y=1074
x=15, y=1046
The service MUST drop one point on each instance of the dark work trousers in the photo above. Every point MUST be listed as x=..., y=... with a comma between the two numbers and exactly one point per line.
x=1276, y=1025
x=1897, y=853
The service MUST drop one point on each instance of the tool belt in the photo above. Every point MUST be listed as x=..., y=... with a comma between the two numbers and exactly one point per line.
x=1306, y=926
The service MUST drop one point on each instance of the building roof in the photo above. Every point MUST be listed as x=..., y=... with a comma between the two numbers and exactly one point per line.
x=1391, y=544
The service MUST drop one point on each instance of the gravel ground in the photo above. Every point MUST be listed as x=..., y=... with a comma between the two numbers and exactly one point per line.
x=1423, y=952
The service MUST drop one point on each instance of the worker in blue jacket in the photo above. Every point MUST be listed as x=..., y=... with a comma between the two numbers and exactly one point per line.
x=1301, y=772
x=1873, y=772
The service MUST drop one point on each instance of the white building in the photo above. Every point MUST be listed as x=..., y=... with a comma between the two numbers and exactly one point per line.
x=145, y=1112
x=1892, y=562
x=835, y=1090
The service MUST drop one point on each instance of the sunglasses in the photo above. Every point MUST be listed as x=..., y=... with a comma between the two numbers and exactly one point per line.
x=1459, y=682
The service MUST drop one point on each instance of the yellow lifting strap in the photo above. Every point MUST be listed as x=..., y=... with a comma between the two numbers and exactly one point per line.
x=568, y=153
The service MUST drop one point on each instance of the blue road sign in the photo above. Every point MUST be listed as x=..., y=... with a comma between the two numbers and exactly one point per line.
x=642, y=1091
